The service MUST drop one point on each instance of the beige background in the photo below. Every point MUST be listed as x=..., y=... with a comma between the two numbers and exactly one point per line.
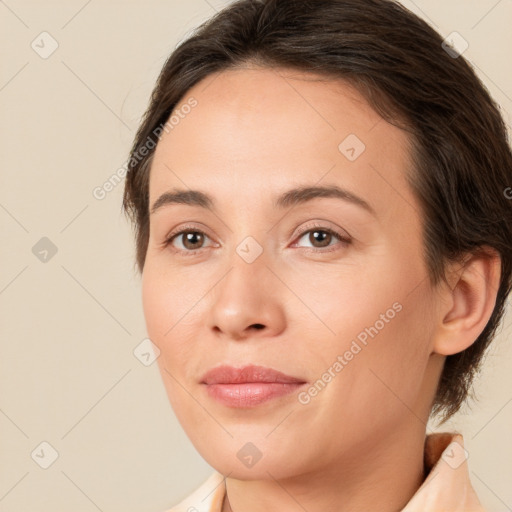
x=69, y=326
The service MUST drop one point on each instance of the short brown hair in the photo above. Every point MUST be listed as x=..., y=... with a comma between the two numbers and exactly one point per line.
x=462, y=159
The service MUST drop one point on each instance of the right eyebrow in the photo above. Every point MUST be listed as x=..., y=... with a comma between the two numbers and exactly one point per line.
x=188, y=197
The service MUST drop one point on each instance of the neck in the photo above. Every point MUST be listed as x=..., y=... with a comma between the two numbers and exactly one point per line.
x=382, y=475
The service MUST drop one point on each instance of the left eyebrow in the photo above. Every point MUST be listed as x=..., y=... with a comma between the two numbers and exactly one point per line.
x=295, y=196
x=304, y=194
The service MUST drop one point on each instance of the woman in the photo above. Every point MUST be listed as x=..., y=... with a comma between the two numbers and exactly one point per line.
x=317, y=190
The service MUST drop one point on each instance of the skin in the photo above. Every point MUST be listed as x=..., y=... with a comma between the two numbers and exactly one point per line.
x=357, y=444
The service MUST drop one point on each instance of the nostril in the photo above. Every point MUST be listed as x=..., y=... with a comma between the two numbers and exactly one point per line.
x=258, y=326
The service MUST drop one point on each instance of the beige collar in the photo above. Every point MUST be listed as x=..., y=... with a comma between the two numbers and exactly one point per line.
x=447, y=486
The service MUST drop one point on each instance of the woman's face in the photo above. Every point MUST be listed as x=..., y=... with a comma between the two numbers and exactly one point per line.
x=328, y=288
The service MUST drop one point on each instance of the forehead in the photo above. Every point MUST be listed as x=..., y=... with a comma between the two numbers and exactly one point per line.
x=261, y=129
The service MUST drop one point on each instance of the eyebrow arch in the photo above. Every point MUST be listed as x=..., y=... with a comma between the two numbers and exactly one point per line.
x=307, y=193
x=293, y=197
x=188, y=197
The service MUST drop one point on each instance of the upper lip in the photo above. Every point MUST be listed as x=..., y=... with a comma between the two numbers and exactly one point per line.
x=229, y=375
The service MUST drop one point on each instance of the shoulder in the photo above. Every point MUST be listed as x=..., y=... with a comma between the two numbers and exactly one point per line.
x=206, y=498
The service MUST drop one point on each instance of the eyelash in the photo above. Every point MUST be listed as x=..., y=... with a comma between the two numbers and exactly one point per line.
x=316, y=227
x=345, y=240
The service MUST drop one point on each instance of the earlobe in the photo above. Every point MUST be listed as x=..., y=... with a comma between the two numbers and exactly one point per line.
x=468, y=302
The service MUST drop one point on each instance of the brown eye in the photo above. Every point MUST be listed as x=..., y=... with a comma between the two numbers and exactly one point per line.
x=319, y=238
x=190, y=240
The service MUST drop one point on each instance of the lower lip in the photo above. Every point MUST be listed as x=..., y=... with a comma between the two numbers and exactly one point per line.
x=250, y=394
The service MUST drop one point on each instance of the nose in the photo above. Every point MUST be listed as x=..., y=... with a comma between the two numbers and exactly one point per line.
x=247, y=301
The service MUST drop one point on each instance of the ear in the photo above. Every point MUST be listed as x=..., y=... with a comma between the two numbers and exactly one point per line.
x=467, y=301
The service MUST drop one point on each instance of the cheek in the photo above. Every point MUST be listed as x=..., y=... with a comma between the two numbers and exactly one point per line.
x=166, y=301
x=168, y=305
x=380, y=323
x=341, y=302
x=396, y=369
x=157, y=304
